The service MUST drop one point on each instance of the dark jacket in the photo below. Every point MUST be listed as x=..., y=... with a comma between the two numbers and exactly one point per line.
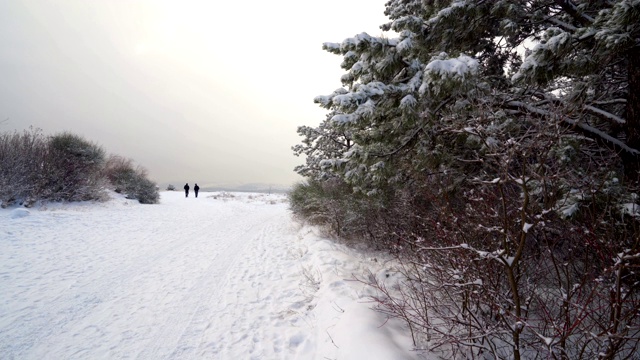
x=186, y=186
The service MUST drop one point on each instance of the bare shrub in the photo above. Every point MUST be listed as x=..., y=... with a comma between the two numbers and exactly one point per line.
x=483, y=284
x=22, y=157
x=312, y=280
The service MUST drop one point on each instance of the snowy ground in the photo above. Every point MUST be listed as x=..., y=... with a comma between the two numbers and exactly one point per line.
x=223, y=276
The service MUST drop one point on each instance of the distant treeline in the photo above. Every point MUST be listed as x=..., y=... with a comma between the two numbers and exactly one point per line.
x=263, y=189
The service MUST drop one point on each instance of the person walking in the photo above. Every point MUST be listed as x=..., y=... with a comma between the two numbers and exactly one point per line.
x=186, y=190
x=196, y=188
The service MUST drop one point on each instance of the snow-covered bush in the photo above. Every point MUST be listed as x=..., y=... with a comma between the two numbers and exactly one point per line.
x=73, y=169
x=319, y=204
x=61, y=167
x=64, y=167
x=345, y=215
x=170, y=187
x=132, y=182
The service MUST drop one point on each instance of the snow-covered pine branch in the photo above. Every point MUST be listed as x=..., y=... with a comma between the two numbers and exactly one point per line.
x=604, y=114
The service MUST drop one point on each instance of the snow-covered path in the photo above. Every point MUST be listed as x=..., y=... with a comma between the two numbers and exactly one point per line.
x=214, y=277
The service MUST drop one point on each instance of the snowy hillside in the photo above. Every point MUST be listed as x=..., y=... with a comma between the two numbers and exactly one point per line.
x=222, y=276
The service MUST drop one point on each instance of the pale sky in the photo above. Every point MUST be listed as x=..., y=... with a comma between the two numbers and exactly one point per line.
x=195, y=91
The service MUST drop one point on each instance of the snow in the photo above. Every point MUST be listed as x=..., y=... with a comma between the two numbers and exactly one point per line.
x=458, y=67
x=631, y=209
x=223, y=276
x=342, y=118
x=605, y=114
x=405, y=45
x=446, y=12
x=331, y=46
x=408, y=102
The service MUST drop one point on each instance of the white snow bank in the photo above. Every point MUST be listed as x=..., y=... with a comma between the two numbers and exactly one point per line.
x=19, y=213
x=346, y=326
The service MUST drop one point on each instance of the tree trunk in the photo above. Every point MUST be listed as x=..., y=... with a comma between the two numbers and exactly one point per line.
x=631, y=161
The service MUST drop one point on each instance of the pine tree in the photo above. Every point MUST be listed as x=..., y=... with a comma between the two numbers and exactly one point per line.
x=454, y=60
x=319, y=145
x=520, y=122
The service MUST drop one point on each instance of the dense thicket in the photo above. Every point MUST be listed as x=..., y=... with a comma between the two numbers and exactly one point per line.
x=63, y=167
x=493, y=146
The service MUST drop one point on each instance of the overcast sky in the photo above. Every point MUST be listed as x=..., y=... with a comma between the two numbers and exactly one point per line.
x=195, y=91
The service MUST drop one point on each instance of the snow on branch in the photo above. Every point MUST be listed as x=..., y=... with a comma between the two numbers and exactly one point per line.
x=327, y=100
x=343, y=118
x=498, y=255
x=570, y=8
x=611, y=102
x=408, y=102
x=406, y=44
x=360, y=40
x=590, y=129
x=529, y=108
x=561, y=24
x=556, y=44
x=446, y=12
x=455, y=67
x=477, y=282
x=331, y=47
x=631, y=209
x=602, y=135
x=405, y=22
x=626, y=255
x=604, y=114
